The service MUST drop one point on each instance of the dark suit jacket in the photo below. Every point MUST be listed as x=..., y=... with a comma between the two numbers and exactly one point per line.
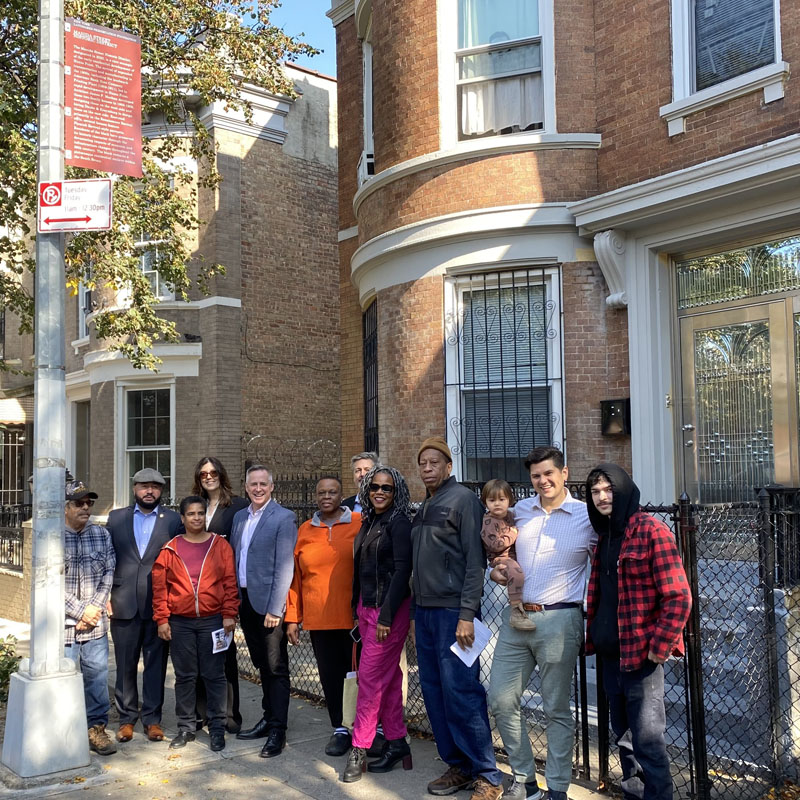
x=132, y=590
x=270, y=557
x=222, y=521
x=350, y=502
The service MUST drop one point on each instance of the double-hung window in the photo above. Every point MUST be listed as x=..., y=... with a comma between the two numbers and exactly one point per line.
x=148, y=440
x=722, y=49
x=731, y=37
x=503, y=362
x=147, y=249
x=499, y=67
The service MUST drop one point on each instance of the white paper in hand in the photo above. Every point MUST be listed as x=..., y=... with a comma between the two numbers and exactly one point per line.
x=220, y=640
x=482, y=638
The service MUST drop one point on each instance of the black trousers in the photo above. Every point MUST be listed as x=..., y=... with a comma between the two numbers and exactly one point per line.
x=192, y=657
x=334, y=653
x=270, y=656
x=232, y=713
x=135, y=638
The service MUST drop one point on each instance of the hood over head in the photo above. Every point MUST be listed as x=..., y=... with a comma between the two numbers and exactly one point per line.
x=625, y=502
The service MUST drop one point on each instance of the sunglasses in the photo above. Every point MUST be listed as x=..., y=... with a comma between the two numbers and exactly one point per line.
x=83, y=503
x=212, y=473
x=386, y=488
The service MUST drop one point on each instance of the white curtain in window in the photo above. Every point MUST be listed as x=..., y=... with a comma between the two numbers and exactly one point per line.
x=502, y=103
x=490, y=21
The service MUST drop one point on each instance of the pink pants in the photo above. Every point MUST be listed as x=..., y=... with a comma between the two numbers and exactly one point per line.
x=380, y=679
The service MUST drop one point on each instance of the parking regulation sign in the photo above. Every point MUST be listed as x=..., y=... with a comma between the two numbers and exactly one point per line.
x=74, y=206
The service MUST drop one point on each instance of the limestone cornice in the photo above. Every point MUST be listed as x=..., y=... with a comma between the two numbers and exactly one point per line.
x=764, y=167
x=480, y=148
x=340, y=10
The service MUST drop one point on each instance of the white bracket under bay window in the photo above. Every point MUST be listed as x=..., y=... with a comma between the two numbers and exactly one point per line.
x=723, y=49
x=503, y=370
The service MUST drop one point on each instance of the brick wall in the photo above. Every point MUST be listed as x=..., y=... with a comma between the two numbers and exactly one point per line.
x=405, y=80
x=351, y=119
x=635, y=141
x=595, y=368
x=410, y=373
x=352, y=361
x=574, y=49
x=533, y=177
x=290, y=296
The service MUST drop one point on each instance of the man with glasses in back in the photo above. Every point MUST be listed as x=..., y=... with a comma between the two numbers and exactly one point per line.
x=89, y=563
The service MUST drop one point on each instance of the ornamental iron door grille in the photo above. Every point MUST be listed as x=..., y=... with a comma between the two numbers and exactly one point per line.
x=503, y=367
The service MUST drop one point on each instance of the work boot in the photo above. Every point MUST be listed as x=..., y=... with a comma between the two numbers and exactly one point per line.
x=100, y=741
x=452, y=781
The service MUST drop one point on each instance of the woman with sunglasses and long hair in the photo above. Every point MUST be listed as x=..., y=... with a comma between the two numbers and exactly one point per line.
x=381, y=600
x=211, y=482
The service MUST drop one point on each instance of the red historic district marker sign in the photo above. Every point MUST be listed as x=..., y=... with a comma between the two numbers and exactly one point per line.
x=102, y=98
x=74, y=206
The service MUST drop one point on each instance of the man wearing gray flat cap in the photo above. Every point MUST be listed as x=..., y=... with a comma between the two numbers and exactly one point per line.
x=138, y=533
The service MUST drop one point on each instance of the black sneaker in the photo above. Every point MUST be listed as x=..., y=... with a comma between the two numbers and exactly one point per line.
x=522, y=791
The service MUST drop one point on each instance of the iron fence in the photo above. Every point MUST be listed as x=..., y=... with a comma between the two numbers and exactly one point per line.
x=732, y=705
x=11, y=542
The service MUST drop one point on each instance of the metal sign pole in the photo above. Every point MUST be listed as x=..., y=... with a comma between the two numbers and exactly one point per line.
x=46, y=729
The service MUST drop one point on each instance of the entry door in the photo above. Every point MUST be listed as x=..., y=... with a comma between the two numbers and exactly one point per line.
x=739, y=376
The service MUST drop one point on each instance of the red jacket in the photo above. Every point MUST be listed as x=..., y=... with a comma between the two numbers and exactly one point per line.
x=173, y=592
x=654, y=595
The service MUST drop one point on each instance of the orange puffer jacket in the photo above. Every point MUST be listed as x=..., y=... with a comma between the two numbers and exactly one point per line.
x=216, y=593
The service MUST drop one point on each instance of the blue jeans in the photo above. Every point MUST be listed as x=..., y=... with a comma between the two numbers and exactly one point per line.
x=554, y=648
x=92, y=660
x=636, y=708
x=454, y=697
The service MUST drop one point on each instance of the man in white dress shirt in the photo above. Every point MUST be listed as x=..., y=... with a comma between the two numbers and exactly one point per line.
x=553, y=546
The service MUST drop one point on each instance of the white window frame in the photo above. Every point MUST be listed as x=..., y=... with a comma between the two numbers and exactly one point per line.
x=447, y=35
x=122, y=484
x=686, y=101
x=366, y=163
x=83, y=325
x=454, y=289
x=142, y=244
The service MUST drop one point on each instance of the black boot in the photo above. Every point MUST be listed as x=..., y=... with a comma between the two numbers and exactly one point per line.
x=356, y=764
x=395, y=750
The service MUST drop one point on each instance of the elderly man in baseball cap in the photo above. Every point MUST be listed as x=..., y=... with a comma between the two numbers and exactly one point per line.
x=138, y=533
x=88, y=573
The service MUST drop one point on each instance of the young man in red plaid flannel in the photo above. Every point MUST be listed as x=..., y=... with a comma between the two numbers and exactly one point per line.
x=638, y=604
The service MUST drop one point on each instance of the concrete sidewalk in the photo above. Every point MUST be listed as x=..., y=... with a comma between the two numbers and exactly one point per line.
x=150, y=771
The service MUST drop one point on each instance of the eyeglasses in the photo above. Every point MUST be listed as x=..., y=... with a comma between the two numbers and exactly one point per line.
x=386, y=488
x=87, y=503
x=212, y=473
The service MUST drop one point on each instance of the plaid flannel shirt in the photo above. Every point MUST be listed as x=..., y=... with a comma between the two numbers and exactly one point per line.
x=654, y=595
x=89, y=562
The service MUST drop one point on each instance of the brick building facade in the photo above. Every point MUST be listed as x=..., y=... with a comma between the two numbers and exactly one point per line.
x=258, y=356
x=551, y=204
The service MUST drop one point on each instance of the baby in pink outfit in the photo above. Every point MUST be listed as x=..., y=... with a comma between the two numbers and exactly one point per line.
x=499, y=534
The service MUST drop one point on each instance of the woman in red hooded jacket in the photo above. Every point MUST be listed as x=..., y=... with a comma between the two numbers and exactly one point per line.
x=194, y=596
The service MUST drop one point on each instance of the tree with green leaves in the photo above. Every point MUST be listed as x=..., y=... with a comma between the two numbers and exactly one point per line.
x=193, y=53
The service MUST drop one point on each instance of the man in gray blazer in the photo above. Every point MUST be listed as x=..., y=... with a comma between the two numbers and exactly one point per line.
x=138, y=533
x=263, y=538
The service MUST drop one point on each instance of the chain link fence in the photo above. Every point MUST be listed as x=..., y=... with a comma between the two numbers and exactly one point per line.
x=732, y=705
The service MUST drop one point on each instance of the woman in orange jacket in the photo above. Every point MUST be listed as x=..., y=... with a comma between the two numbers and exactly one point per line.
x=194, y=597
x=319, y=597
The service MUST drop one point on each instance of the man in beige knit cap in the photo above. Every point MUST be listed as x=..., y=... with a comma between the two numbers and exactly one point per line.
x=447, y=583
